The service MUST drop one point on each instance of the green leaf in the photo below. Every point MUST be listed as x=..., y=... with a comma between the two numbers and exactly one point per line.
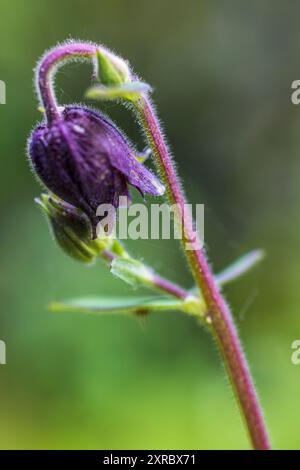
x=128, y=91
x=121, y=305
x=132, y=271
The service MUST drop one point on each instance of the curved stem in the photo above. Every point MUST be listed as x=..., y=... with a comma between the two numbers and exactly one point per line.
x=218, y=317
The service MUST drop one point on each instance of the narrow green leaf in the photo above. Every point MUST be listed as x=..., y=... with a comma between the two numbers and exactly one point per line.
x=240, y=267
x=122, y=305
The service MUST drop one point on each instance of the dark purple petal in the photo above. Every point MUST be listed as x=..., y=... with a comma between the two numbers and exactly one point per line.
x=111, y=141
x=124, y=161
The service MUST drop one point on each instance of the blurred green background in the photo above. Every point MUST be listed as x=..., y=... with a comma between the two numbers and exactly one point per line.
x=222, y=74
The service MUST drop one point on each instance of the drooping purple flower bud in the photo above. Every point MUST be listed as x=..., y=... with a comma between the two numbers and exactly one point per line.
x=85, y=160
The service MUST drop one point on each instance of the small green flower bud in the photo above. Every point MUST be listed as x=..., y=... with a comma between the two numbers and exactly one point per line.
x=71, y=228
x=109, y=70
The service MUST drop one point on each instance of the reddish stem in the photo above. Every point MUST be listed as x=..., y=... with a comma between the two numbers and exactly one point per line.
x=219, y=317
x=167, y=286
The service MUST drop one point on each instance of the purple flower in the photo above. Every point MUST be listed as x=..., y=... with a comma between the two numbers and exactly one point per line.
x=70, y=227
x=85, y=160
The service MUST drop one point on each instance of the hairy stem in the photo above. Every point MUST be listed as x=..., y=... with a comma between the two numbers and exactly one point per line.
x=47, y=68
x=219, y=317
